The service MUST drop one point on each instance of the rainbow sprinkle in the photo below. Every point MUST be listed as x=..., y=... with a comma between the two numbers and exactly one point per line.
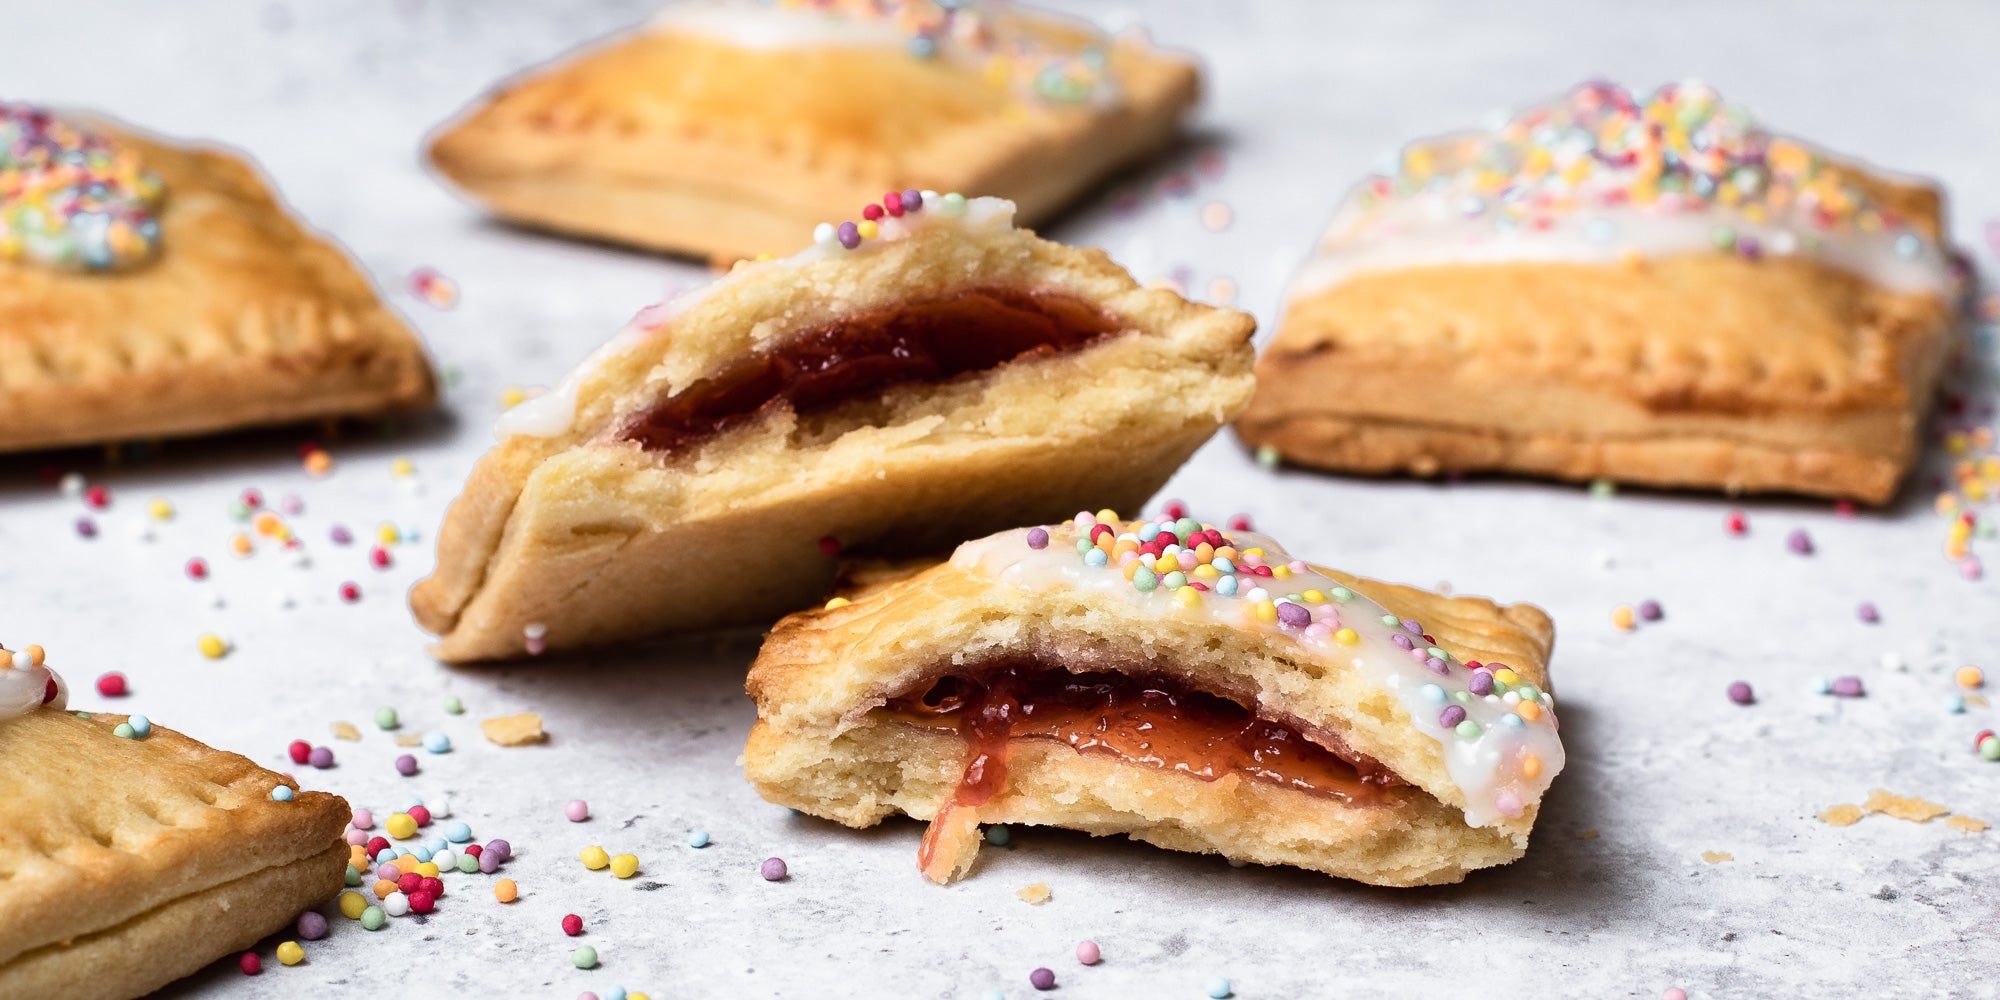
x=894, y=205
x=71, y=198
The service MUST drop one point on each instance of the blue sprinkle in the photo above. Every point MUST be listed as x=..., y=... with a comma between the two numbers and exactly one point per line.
x=411, y=803
x=1223, y=564
x=1908, y=245
x=141, y=726
x=1096, y=558
x=615, y=993
x=698, y=839
x=998, y=835
x=923, y=46
x=1954, y=703
x=1219, y=987
x=437, y=844
x=423, y=852
x=1821, y=685
x=1512, y=721
x=1148, y=532
x=282, y=793
x=458, y=832
x=1432, y=692
x=1226, y=586
x=437, y=742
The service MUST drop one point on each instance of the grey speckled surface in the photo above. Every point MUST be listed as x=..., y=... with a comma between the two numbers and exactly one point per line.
x=333, y=99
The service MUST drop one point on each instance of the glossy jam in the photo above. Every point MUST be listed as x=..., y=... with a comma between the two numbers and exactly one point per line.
x=969, y=329
x=1141, y=720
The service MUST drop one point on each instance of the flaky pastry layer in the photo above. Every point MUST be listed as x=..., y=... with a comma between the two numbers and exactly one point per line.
x=592, y=537
x=244, y=318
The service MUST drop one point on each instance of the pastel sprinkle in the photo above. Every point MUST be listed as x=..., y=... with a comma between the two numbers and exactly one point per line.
x=577, y=810
x=773, y=869
x=1042, y=979
x=1219, y=988
x=698, y=839
x=584, y=957
x=283, y=793
x=1089, y=953
x=1740, y=693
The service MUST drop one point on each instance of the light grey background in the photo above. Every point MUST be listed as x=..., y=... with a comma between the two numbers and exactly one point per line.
x=333, y=99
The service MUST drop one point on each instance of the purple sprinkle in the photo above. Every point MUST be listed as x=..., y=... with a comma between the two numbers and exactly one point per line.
x=489, y=862
x=1749, y=248
x=342, y=536
x=1451, y=716
x=1651, y=611
x=321, y=757
x=406, y=765
x=1847, y=687
x=1741, y=694
x=773, y=869
x=1038, y=538
x=500, y=849
x=1481, y=683
x=1410, y=625
x=850, y=235
x=312, y=926
x=1867, y=612
x=86, y=527
x=1042, y=979
x=1294, y=615
x=913, y=200
x=1437, y=666
x=1800, y=542
x=1402, y=641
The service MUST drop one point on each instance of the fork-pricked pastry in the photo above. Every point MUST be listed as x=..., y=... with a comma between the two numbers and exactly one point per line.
x=1191, y=688
x=151, y=290
x=938, y=368
x=131, y=855
x=1651, y=291
x=725, y=127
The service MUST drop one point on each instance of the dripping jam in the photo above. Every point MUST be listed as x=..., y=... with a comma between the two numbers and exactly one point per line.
x=1142, y=720
x=925, y=340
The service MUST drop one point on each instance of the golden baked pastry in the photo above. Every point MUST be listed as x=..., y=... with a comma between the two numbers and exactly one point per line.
x=151, y=290
x=131, y=855
x=705, y=466
x=725, y=127
x=1656, y=292
x=1191, y=688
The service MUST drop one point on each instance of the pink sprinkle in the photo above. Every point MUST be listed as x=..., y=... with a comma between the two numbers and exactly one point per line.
x=363, y=819
x=1088, y=953
x=350, y=592
x=1240, y=522
x=1508, y=803
x=577, y=810
x=1867, y=613
x=197, y=569
x=1799, y=542
x=1674, y=993
x=1848, y=687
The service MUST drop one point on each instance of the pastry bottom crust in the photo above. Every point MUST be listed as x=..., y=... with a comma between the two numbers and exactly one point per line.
x=880, y=768
x=1695, y=461
x=176, y=938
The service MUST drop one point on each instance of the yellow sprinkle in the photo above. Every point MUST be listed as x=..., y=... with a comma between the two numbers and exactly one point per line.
x=1267, y=611
x=212, y=645
x=351, y=904
x=512, y=396
x=1622, y=617
x=290, y=953
x=1205, y=573
x=1531, y=766
x=1108, y=516
x=161, y=510
x=868, y=230
x=505, y=890
x=1258, y=552
x=387, y=534
x=625, y=865
x=838, y=602
x=1281, y=572
x=1314, y=597
x=1507, y=676
x=1347, y=637
x=594, y=858
x=1188, y=596
x=1971, y=677
x=402, y=467
x=401, y=826
x=427, y=869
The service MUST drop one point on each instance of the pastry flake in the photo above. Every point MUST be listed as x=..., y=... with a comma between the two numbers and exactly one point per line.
x=151, y=290
x=725, y=127
x=129, y=861
x=898, y=387
x=1655, y=291
x=1191, y=688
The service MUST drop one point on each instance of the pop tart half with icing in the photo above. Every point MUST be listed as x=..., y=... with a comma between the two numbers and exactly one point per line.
x=1194, y=688
x=1653, y=290
x=895, y=388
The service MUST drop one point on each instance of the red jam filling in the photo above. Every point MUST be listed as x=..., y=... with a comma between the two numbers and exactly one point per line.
x=1138, y=719
x=936, y=338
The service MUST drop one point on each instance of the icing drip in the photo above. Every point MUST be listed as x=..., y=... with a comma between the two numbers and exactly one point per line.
x=72, y=198
x=26, y=683
x=1600, y=177
x=1497, y=731
x=988, y=35
x=552, y=413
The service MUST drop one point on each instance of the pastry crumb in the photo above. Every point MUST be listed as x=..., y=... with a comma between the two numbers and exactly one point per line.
x=346, y=731
x=1590, y=834
x=1844, y=814
x=412, y=740
x=1034, y=895
x=514, y=730
x=1717, y=857
x=1902, y=807
x=1966, y=824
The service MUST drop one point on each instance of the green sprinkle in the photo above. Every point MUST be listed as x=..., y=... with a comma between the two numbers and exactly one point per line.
x=1186, y=526
x=1083, y=546
x=1145, y=580
x=1468, y=730
x=1529, y=692
x=83, y=715
x=123, y=731
x=385, y=718
x=453, y=706
x=1989, y=748
x=373, y=918
x=1723, y=237
x=1391, y=620
x=1462, y=697
x=1175, y=580
x=998, y=835
x=354, y=875
x=584, y=957
x=1341, y=594
x=239, y=511
x=468, y=864
x=1602, y=488
x=1439, y=653
x=1268, y=457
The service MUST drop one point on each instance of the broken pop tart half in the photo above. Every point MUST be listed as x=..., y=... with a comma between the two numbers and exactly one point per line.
x=1196, y=689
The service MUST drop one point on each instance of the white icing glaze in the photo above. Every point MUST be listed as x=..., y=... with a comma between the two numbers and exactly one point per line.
x=761, y=26
x=552, y=413
x=1487, y=766
x=1580, y=202
x=24, y=687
